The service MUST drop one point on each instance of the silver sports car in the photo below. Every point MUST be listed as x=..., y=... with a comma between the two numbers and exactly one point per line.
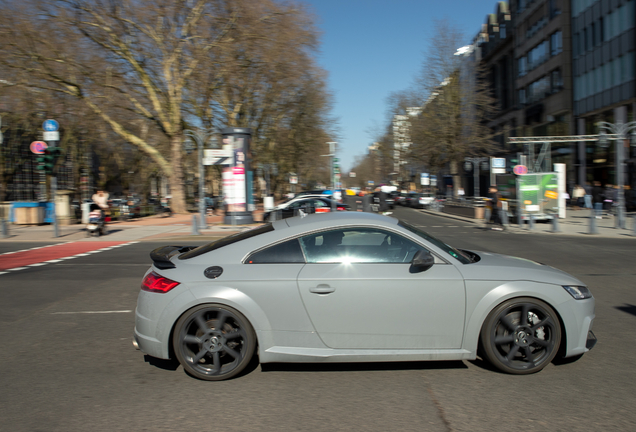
x=354, y=287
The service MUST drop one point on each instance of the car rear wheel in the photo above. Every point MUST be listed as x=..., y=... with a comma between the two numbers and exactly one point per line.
x=521, y=336
x=213, y=342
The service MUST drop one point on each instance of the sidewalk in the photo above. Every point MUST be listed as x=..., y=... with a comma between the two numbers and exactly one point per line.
x=576, y=223
x=146, y=228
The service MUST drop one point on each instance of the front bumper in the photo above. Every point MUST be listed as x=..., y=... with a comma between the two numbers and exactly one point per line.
x=591, y=340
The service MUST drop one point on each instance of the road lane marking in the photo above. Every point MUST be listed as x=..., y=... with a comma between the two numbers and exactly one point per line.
x=36, y=257
x=91, y=312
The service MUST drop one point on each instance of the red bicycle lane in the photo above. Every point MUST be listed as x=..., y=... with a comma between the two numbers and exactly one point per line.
x=14, y=260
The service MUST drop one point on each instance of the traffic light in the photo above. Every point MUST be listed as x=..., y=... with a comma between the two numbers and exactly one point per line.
x=46, y=160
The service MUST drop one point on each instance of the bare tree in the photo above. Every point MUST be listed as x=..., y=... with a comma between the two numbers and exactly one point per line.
x=129, y=60
x=452, y=123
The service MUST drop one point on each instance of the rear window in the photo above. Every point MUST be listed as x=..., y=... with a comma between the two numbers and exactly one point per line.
x=227, y=241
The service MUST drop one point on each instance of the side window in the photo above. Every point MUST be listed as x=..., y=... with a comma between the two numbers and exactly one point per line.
x=288, y=252
x=358, y=245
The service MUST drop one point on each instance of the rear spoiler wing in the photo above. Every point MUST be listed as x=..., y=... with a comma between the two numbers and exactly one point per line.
x=162, y=255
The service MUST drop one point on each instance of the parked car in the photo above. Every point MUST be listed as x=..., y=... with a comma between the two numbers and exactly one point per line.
x=354, y=287
x=308, y=205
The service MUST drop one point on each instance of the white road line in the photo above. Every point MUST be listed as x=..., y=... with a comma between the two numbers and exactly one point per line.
x=63, y=258
x=91, y=312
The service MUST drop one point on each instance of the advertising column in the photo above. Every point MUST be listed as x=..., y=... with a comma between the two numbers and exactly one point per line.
x=235, y=187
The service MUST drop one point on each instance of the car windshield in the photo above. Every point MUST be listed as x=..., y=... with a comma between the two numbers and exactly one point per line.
x=461, y=256
x=227, y=241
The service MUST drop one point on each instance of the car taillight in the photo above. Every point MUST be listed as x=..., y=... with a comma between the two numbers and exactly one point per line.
x=341, y=208
x=154, y=282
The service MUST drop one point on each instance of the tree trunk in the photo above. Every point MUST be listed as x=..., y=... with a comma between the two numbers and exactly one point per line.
x=177, y=191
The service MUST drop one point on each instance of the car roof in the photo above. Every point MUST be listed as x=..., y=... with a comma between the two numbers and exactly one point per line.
x=325, y=220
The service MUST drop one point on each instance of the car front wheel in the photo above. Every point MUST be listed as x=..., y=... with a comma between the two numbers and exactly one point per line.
x=213, y=342
x=521, y=336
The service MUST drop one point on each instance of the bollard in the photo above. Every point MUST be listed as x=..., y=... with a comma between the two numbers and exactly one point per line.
x=519, y=218
x=504, y=218
x=487, y=216
x=634, y=225
x=5, y=229
x=195, y=225
x=619, y=220
x=592, y=227
x=555, y=223
x=531, y=221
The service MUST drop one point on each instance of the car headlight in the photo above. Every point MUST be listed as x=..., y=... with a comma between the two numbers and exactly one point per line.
x=578, y=292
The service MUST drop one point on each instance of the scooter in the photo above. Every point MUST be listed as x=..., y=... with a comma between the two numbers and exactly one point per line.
x=96, y=224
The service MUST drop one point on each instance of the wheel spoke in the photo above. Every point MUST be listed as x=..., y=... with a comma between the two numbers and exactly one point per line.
x=529, y=355
x=502, y=340
x=234, y=334
x=203, y=326
x=505, y=320
x=513, y=350
x=216, y=362
x=220, y=320
x=231, y=352
x=541, y=342
x=199, y=356
x=191, y=339
x=547, y=322
x=523, y=320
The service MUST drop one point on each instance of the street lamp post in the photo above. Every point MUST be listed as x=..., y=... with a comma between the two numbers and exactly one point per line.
x=475, y=161
x=200, y=138
x=620, y=132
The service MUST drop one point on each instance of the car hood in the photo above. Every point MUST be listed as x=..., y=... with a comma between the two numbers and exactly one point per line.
x=499, y=267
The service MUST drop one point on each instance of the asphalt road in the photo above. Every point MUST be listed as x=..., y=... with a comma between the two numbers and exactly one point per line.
x=68, y=364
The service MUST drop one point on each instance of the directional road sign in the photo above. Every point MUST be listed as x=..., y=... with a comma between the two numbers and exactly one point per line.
x=216, y=156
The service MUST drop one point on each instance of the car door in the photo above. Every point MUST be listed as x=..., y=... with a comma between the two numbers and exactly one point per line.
x=360, y=293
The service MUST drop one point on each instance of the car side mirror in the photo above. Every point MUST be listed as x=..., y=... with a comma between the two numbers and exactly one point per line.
x=422, y=261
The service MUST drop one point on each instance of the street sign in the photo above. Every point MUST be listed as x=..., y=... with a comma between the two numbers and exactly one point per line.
x=50, y=125
x=293, y=179
x=498, y=165
x=38, y=147
x=51, y=136
x=217, y=156
x=425, y=179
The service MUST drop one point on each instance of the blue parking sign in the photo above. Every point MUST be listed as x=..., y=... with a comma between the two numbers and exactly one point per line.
x=50, y=125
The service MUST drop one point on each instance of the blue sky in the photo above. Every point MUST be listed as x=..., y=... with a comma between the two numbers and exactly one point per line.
x=372, y=48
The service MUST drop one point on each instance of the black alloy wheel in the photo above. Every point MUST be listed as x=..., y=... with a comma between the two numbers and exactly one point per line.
x=521, y=336
x=213, y=342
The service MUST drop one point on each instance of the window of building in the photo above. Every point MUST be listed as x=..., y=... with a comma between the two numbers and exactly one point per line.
x=522, y=96
x=554, y=9
x=502, y=31
x=556, y=43
x=556, y=81
x=523, y=66
x=600, y=31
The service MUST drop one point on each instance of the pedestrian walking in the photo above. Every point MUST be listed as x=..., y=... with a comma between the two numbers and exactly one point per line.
x=494, y=198
x=578, y=196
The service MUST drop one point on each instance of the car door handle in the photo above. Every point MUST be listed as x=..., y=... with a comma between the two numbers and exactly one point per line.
x=322, y=289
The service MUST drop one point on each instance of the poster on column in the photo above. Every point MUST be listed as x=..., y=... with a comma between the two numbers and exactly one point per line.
x=240, y=202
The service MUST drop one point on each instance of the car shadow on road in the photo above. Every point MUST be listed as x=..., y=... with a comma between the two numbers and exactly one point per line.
x=169, y=365
x=629, y=308
x=354, y=367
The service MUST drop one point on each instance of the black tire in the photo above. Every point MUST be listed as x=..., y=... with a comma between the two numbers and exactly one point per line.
x=213, y=342
x=521, y=336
